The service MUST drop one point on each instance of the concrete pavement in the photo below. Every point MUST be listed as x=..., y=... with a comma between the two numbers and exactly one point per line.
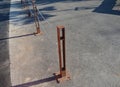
x=92, y=45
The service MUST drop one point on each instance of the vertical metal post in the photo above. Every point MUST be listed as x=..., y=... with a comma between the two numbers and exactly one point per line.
x=59, y=51
x=21, y=1
x=62, y=74
x=25, y=5
x=36, y=18
x=64, y=56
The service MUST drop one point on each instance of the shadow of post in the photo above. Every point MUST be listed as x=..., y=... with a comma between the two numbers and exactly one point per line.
x=36, y=82
x=107, y=8
x=13, y=37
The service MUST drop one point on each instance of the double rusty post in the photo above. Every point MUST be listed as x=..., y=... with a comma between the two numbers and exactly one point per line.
x=36, y=13
x=62, y=74
x=37, y=24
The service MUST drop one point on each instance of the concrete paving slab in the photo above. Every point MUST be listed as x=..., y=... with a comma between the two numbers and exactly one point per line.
x=92, y=45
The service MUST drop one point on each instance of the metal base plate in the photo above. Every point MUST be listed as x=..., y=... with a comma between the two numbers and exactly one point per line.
x=37, y=33
x=60, y=79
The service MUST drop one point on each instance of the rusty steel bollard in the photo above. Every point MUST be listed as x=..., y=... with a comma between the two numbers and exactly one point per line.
x=37, y=24
x=62, y=75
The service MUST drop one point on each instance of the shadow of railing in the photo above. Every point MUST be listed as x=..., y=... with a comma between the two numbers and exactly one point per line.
x=107, y=8
x=13, y=37
x=44, y=2
x=51, y=9
x=4, y=10
x=36, y=82
x=22, y=17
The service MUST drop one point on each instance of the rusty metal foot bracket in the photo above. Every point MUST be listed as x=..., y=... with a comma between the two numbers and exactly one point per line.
x=62, y=75
x=38, y=32
x=60, y=79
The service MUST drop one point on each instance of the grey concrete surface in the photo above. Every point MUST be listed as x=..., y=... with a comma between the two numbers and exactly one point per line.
x=92, y=44
x=4, y=44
